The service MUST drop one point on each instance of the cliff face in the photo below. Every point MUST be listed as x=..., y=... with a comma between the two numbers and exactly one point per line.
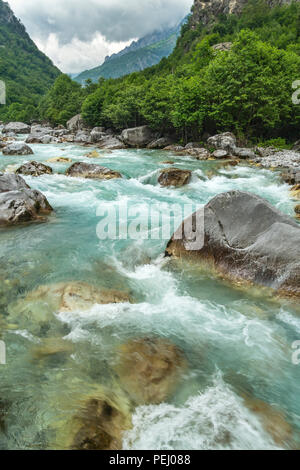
x=205, y=11
x=8, y=19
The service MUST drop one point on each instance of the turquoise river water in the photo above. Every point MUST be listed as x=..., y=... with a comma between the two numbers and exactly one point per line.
x=236, y=342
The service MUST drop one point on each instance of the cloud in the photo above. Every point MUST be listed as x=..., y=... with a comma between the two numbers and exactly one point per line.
x=77, y=55
x=91, y=29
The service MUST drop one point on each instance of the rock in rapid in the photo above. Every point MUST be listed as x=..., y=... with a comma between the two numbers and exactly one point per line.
x=245, y=239
x=87, y=170
x=19, y=203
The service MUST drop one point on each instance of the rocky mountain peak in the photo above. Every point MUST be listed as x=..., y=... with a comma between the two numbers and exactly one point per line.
x=203, y=11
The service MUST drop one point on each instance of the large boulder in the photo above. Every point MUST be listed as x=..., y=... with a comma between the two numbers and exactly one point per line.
x=110, y=142
x=174, y=177
x=138, y=136
x=244, y=153
x=87, y=170
x=83, y=137
x=17, y=148
x=16, y=127
x=41, y=130
x=76, y=123
x=220, y=154
x=225, y=141
x=41, y=139
x=245, y=239
x=34, y=169
x=160, y=143
x=97, y=134
x=11, y=182
x=150, y=369
x=19, y=203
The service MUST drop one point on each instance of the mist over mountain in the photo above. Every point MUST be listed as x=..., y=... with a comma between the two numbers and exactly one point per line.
x=147, y=51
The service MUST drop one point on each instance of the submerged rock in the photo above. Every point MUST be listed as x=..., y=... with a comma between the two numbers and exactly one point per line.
x=19, y=203
x=245, y=239
x=59, y=160
x=174, y=177
x=150, y=369
x=52, y=347
x=138, y=136
x=273, y=421
x=17, y=148
x=297, y=211
x=87, y=170
x=73, y=296
x=34, y=169
x=93, y=154
x=101, y=425
x=98, y=424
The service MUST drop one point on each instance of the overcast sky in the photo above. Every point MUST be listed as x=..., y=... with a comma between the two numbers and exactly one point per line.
x=78, y=34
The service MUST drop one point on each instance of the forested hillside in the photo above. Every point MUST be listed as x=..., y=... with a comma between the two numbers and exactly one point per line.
x=26, y=71
x=246, y=89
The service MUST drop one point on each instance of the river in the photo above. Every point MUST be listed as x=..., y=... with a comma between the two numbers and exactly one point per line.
x=236, y=341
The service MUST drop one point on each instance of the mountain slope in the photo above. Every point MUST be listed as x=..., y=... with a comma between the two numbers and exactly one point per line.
x=141, y=54
x=26, y=71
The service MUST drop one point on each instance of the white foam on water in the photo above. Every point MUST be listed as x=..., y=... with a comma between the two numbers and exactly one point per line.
x=290, y=320
x=215, y=419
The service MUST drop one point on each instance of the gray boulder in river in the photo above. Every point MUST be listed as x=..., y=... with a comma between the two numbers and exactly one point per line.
x=19, y=203
x=76, y=123
x=89, y=170
x=34, y=169
x=138, y=136
x=245, y=239
x=16, y=127
x=17, y=148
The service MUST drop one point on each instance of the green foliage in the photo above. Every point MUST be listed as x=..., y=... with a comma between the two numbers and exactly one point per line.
x=278, y=143
x=197, y=89
x=63, y=101
x=26, y=71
